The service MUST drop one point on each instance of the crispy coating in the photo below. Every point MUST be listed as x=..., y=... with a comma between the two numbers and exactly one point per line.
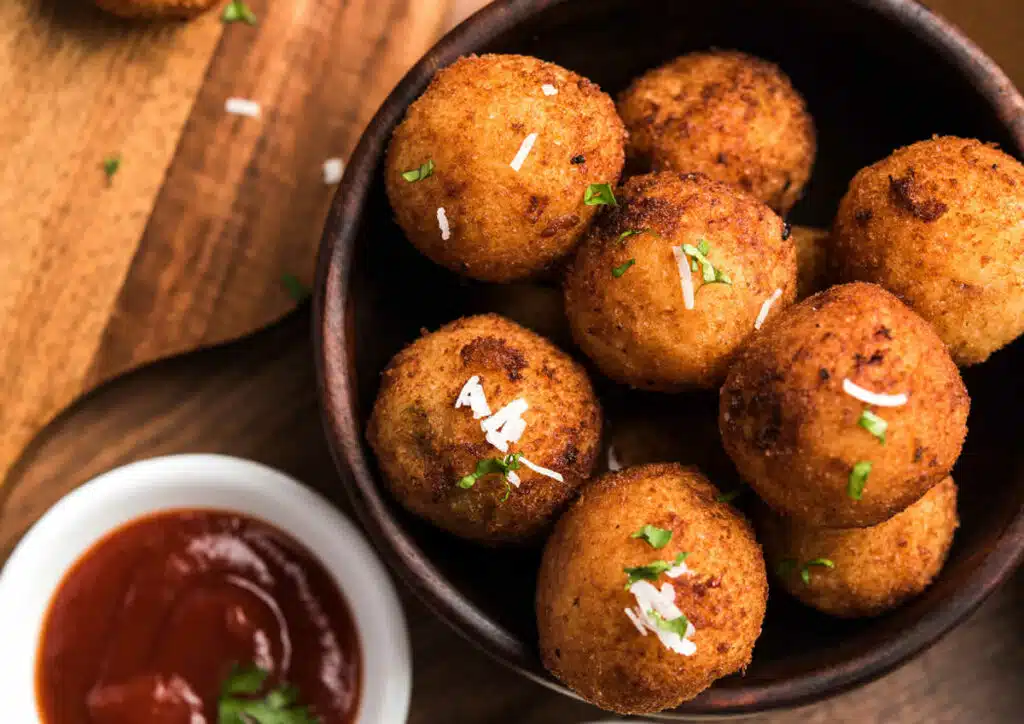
x=156, y=8
x=729, y=115
x=636, y=327
x=793, y=432
x=424, y=445
x=586, y=639
x=471, y=122
x=811, y=260
x=876, y=568
x=940, y=223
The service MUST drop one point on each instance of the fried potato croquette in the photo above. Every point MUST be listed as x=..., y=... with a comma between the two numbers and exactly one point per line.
x=853, y=572
x=796, y=418
x=624, y=291
x=426, y=446
x=726, y=114
x=811, y=260
x=489, y=171
x=940, y=224
x=649, y=659
x=156, y=8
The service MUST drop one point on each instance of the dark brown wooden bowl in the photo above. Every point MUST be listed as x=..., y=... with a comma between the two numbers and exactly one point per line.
x=877, y=74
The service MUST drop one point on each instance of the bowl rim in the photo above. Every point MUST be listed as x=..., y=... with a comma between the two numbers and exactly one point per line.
x=75, y=523
x=333, y=326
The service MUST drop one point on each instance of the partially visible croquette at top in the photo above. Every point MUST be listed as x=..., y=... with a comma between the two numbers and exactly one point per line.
x=729, y=115
x=649, y=590
x=485, y=429
x=489, y=172
x=845, y=409
x=852, y=572
x=940, y=223
x=672, y=280
x=811, y=260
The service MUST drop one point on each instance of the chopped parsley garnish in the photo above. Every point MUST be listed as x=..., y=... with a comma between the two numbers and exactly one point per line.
x=577, y=159
x=858, y=479
x=237, y=11
x=620, y=270
x=699, y=262
x=677, y=625
x=418, y=174
x=296, y=289
x=729, y=496
x=628, y=233
x=657, y=537
x=787, y=565
x=599, y=195
x=873, y=424
x=492, y=466
x=652, y=570
x=238, y=703
x=111, y=164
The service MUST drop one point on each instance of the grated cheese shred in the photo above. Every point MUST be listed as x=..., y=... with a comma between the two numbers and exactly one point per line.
x=549, y=90
x=442, y=222
x=873, y=398
x=523, y=152
x=685, y=277
x=766, y=307
x=242, y=107
x=661, y=601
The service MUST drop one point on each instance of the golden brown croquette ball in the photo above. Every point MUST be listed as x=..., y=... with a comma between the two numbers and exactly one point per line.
x=511, y=145
x=801, y=416
x=811, y=260
x=852, y=572
x=156, y=8
x=940, y=224
x=624, y=292
x=729, y=115
x=427, y=429
x=647, y=639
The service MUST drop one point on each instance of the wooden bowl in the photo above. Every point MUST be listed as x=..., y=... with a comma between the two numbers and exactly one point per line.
x=877, y=74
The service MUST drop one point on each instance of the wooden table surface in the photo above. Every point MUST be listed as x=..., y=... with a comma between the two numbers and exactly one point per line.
x=257, y=399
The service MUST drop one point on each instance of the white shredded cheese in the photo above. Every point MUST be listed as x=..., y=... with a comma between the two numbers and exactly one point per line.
x=473, y=396
x=613, y=460
x=506, y=425
x=648, y=599
x=524, y=151
x=765, y=308
x=549, y=90
x=242, y=107
x=334, y=169
x=512, y=478
x=442, y=222
x=873, y=398
x=685, y=278
x=677, y=570
x=554, y=475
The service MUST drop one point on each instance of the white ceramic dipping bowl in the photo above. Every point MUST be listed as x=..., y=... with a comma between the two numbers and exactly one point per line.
x=79, y=520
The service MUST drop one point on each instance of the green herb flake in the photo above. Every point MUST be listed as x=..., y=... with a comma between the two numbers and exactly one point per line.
x=677, y=625
x=492, y=466
x=237, y=11
x=238, y=703
x=873, y=424
x=657, y=537
x=628, y=233
x=296, y=289
x=699, y=262
x=599, y=195
x=652, y=570
x=620, y=270
x=418, y=174
x=729, y=496
x=858, y=479
x=805, y=572
x=111, y=165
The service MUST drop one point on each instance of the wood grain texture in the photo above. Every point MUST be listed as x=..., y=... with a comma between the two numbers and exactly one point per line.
x=186, y=246
x=257, y=399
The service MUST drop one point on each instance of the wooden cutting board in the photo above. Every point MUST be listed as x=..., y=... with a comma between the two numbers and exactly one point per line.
x=185, y=246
